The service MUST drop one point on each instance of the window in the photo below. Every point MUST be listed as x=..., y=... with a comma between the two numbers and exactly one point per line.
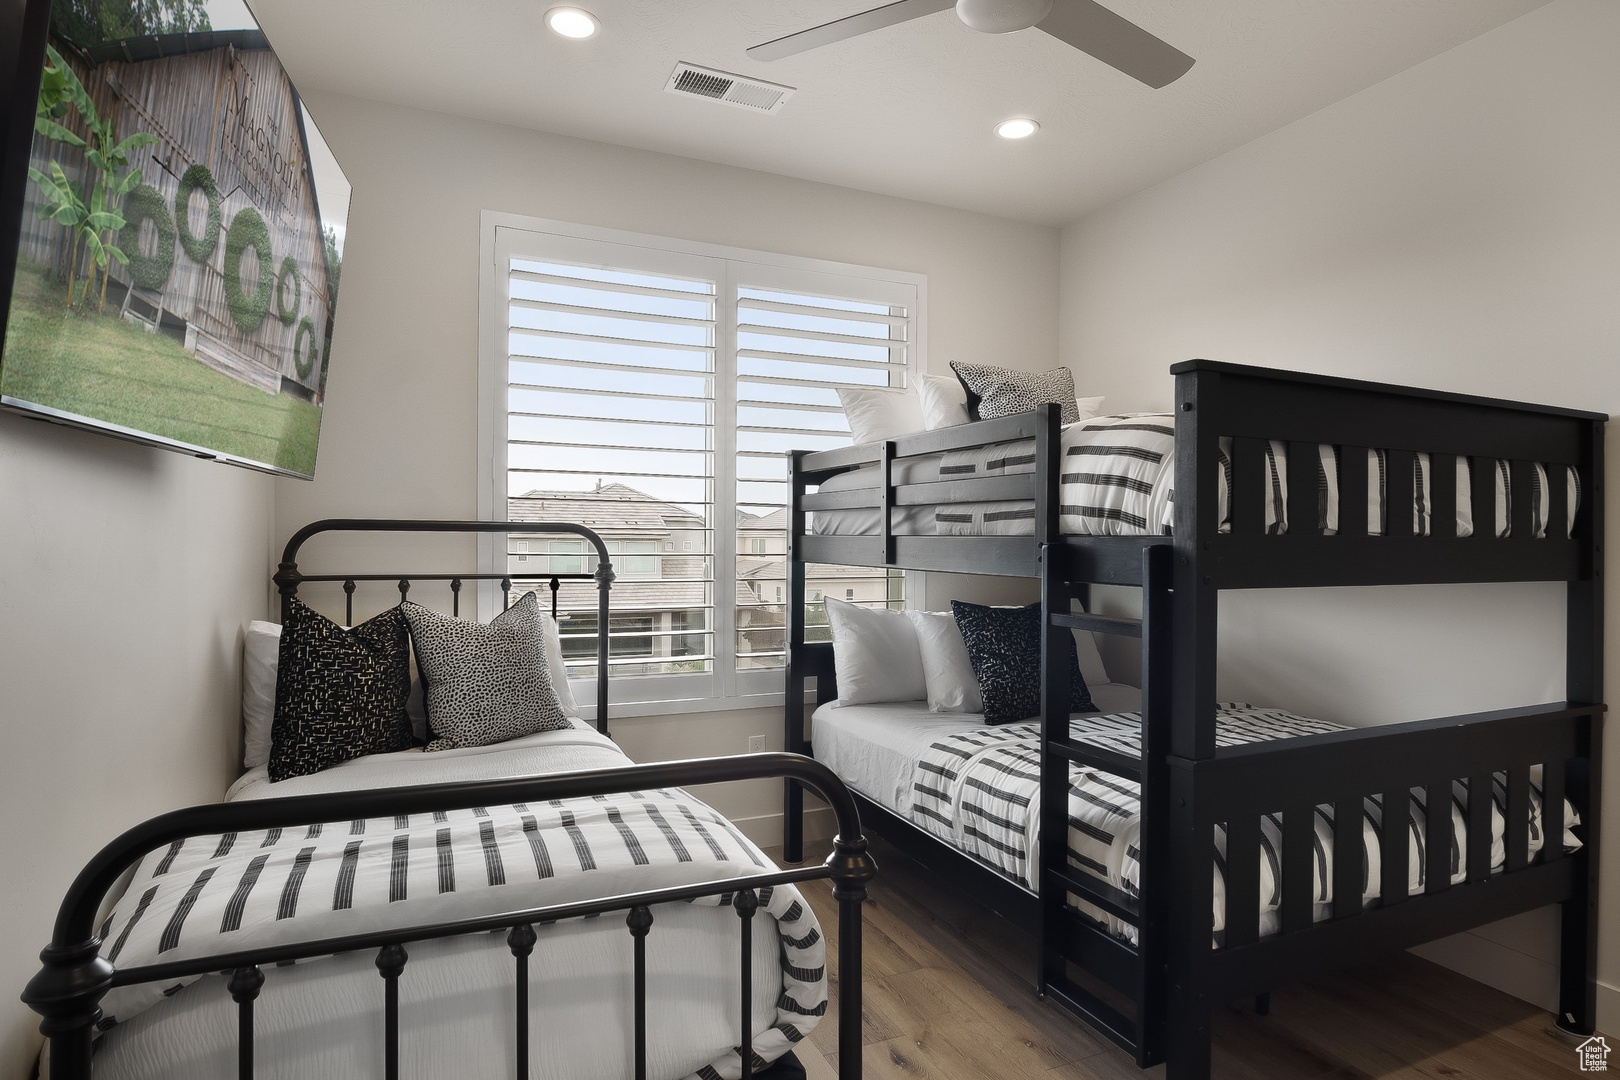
x=650, y=389
x=567, y=564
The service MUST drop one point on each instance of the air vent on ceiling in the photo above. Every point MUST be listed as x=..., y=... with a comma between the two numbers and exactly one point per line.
x=727, y=88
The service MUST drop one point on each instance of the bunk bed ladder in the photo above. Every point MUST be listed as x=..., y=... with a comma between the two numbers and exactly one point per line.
x=1122, y=991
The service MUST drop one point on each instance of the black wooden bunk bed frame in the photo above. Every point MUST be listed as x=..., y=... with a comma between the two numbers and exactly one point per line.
x=74, y=977
x=1156, y=998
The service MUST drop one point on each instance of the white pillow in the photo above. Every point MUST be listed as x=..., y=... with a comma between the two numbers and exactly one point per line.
x=875, y=655
x=947, y=671
x=559, y=670
x=944, y=402
x=877, y=415
x=1091, y=663
x=261, y=659
x=1088, y=408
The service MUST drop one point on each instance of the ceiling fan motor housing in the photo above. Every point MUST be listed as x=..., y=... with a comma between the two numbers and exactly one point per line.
x=1001, y=16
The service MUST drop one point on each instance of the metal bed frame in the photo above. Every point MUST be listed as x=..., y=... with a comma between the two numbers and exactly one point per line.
x=67, y=990
x=1156, y=998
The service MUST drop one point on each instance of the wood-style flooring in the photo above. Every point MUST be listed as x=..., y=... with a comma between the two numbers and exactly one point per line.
x=947, y=997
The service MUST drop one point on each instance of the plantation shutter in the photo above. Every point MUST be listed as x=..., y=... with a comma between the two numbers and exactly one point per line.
x=801, y=336
x=652, y=395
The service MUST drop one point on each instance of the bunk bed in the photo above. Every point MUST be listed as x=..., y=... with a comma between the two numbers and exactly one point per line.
x=1268, y=492
x=287, y=904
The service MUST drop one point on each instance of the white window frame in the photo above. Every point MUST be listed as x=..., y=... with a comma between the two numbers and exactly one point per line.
x=665, y=694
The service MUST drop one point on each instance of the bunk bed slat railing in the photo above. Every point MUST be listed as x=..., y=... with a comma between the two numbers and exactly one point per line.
x=1439, y=840
x=1398, y=493
x=1480, y=785
x=1394, y=840
x=1443, y=496
x=1298, y=867
x=1352, y=491
x=1557, y=504
x=1523, y=493
x=1482, y=496
x=1250, y=478
x=1552, y=809
x=1518, y=816
x=1348, y=874
x=1242, y=879
x=1304, y=511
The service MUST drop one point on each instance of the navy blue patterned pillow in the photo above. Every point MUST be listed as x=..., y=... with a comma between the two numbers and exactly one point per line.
x=1004, y=647
x=339, y=693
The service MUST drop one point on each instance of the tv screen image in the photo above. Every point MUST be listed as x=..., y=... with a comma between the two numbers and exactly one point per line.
x=180, y=240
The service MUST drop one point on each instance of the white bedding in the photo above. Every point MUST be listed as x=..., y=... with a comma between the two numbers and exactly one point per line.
x=875, y=748
x=323, y=1017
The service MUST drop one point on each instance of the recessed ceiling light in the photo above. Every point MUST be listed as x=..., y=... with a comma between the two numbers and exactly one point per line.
x=572, y=22
x=1018, y=127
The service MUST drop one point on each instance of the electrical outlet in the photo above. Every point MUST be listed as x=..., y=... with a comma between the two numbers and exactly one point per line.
x=756, y=744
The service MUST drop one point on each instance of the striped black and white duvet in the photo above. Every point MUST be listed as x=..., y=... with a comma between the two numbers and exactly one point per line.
x=1117, y=477
x=217, y=894
x=979, y=790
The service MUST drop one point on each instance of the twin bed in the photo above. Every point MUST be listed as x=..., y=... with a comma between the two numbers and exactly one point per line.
x=537, y=907
x=1176, y=852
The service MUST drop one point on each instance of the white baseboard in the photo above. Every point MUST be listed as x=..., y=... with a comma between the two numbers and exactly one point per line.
x=766, y=829
x=1528, y=978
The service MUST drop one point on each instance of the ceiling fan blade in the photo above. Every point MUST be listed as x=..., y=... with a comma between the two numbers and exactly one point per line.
x=843, y=29
x=1116, y=41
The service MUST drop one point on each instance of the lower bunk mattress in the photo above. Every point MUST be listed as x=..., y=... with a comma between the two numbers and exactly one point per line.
x=977, y=788
x=323, y=1017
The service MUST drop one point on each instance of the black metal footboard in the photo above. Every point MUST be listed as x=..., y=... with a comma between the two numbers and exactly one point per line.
x=69, y=987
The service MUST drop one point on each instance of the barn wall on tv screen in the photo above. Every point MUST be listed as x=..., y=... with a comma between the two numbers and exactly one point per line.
x=221, y=101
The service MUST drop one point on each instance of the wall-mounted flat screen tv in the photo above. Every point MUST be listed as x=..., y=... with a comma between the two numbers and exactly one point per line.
x=171, y=231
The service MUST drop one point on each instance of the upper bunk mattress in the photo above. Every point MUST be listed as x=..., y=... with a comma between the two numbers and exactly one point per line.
x=1118, y=479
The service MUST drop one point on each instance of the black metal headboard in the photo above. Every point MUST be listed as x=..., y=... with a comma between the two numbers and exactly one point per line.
x=288, y=577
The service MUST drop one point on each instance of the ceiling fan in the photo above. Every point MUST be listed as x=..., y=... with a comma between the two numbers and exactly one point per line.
x=1086, y=25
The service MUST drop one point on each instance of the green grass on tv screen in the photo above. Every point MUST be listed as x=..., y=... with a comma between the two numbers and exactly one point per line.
x=105, y=368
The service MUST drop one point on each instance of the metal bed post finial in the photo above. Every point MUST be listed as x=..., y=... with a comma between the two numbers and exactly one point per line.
x=604, y=584
x=67, y=992
x=851, y=867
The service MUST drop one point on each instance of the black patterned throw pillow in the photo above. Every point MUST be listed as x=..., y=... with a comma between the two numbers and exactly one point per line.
x=998, y=391
x=1004, y=647
x=340, y=693
x=485, y=684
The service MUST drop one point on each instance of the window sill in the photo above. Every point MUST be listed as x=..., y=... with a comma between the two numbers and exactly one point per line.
x=683, y=706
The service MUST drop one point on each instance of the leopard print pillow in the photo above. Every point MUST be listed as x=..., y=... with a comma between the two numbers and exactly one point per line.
x=998, y=391
x=484, y=684
x=339, y=693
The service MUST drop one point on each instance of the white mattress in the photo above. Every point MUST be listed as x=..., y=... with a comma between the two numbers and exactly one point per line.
x=323, y=1018
x=875, y=748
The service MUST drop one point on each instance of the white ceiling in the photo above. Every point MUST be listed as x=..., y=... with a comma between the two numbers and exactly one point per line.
x=904, y=111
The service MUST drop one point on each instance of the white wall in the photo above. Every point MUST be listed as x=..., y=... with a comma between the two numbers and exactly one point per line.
x=126, y=574
x=400, y=434
x=1456, y=227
